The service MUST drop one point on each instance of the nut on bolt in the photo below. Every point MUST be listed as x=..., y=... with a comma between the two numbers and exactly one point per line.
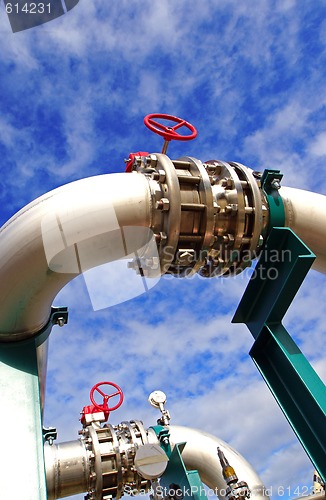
x=160, y=237
x=213, y=168
x=163, y=204
x=276, y=184
x=61, y=321
x=151, y=161
x=231, y=209
x=216, y=208
x=185, y=257
x=159, y=176
x=227, y=183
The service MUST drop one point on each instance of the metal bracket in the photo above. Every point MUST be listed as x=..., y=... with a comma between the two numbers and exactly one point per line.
x=293, y=382
x=178, y=482
x=270, y=183
x=58, y=316
x=50, y=434
x=163, y=436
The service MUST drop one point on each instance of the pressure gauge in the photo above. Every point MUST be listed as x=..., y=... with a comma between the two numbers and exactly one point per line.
x=157, y=398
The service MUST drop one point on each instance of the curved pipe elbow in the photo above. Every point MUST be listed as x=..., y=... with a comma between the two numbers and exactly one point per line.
x=200, y=453
x=58, y=236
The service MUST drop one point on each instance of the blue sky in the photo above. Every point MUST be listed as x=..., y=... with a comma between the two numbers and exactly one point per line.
x=73, y=93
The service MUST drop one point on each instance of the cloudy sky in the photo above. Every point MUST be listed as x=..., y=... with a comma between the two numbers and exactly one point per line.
x=250, y=75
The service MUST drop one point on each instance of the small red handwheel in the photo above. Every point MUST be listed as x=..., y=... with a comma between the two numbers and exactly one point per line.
x=169, y=133
x=106, y=397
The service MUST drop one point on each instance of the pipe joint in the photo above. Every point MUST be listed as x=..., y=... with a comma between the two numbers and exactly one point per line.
x=213, y=215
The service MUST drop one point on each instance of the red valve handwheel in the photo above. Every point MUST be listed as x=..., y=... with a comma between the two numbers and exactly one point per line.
x=105, y=396
x=169, y=133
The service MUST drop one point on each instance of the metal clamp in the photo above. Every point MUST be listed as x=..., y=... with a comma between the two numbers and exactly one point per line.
x=50, y=434
x=270, y=183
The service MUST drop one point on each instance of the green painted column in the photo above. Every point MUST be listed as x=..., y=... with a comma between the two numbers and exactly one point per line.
x=22, y=468
x=21, y=462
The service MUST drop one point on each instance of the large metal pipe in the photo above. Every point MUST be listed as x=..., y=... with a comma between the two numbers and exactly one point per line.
x=200, y=454
x=305, y=214
x=60, y=235
x=67, y=469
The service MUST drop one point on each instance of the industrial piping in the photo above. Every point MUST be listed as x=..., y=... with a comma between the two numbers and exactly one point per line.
x=200, y=215
x=69, y=467
x=210, y=218
x=199, y=219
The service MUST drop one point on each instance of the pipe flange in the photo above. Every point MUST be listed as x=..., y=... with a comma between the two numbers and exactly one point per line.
x=96, y=484
x=239, y=219
x=255, y=216
x=197, y=240
x=182, y=212
x=112, y=452
x=256, y=201
x=230, y=221
x=166, y=206
x=129, y=465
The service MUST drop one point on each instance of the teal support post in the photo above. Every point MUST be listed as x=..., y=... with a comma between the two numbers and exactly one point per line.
x=21, y=436
x=296, y=387
x=22, y=462
x=177, y=477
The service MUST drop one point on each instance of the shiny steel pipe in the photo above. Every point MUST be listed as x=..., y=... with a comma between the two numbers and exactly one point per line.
x=67, y=469
x=200, y=453
x=70, y=221
x=305, y=214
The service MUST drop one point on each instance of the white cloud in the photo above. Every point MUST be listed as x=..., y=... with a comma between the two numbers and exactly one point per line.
x=318, y=146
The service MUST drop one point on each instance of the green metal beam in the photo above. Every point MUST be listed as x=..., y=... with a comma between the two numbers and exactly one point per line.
x=296, y=387
x=21, y=433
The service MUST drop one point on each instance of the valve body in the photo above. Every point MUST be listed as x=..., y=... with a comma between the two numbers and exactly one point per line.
x=209, y=218
x=101, y=462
